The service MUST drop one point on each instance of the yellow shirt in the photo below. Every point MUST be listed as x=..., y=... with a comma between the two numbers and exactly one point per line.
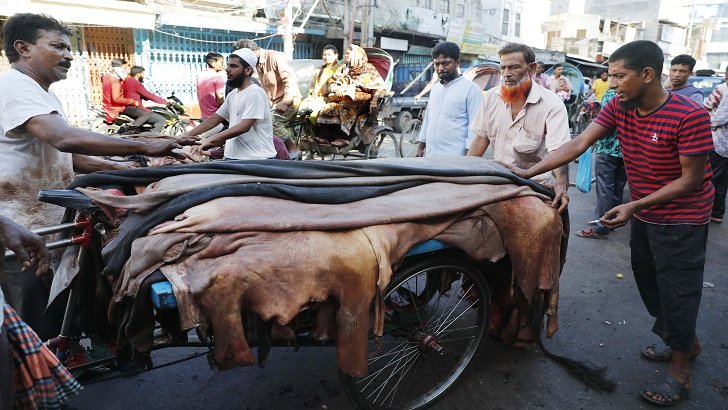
x=600, y=87
x=319, y=87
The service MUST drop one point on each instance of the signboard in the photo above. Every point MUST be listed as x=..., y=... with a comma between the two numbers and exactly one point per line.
x=396, y=44
x=471, y=38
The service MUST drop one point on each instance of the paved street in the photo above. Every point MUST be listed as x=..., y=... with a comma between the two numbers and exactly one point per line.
x=601, y=319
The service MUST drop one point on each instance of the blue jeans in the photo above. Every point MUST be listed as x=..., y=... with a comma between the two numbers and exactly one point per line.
x=611, y=179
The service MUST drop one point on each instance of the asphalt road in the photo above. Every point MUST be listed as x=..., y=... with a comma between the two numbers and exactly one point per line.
x=601, y=319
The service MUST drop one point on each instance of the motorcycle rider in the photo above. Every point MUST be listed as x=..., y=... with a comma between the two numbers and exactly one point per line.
x=134, y=88
x=116, y=103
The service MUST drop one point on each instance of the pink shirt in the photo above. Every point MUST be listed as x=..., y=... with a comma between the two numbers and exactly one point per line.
x=208, y=84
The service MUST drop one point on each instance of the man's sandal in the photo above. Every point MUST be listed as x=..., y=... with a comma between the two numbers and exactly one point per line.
x=671, y=391
x=590, y=234
x=661, y=353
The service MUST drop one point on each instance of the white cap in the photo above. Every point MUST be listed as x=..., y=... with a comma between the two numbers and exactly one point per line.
x=247, y=55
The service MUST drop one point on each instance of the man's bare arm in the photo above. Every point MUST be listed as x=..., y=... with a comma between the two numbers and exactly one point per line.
x=232, y=132
x=206, y=125
x=86, y=164
x=561, y=200
x=565, y=153
x=478, y=146
x=53, y=130
x=29, y=248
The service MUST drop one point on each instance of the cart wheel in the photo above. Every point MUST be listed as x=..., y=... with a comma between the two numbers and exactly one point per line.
x=408, y=140
x=436, y=313
x=384, y=145
x=403, y=121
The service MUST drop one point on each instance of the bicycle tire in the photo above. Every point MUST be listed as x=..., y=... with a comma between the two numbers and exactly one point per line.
x=384, y=145
x=408, y=140
x=413, y=320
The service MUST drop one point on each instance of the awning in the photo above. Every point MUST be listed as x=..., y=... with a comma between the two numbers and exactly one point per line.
x=215, y=21
x=582, y=63
x=101, y=12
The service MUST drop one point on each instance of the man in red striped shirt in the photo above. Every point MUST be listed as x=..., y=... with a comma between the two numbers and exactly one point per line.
x=665, y=139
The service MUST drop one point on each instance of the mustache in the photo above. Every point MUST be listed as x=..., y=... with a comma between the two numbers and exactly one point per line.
x=64, y=63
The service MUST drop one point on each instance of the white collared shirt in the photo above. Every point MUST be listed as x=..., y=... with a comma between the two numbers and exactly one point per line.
x=450, y=111
x=540, y=127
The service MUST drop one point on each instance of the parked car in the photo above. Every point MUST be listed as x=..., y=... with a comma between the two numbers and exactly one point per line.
x=706, y=81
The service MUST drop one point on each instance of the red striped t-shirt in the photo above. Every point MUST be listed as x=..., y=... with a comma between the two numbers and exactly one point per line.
x=652, y=145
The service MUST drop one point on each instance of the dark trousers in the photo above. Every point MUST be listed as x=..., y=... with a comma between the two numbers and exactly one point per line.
x=142, y=116
x=668, y=263
x=720, y=182
x=611, y=179
x=28, y=295
x=6, y=368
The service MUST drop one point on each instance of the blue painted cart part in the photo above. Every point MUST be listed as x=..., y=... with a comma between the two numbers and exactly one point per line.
x=427, y=246
x=163, y=296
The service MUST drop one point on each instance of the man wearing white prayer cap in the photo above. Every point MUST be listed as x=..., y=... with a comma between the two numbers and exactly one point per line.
x=250, y=135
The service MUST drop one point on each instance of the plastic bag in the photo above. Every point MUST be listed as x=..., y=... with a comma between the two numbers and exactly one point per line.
x=584, y=172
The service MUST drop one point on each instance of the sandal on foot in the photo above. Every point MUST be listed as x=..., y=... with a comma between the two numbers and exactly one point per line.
x=671, y=391
x=661, y=353
x=590, y=234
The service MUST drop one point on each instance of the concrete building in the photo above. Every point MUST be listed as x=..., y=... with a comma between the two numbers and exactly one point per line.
x=585, y=35
x=708, y=33
x=663, y=21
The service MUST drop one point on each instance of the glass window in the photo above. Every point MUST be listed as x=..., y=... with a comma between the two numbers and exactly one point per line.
x=460, y=11
x=445, y=6
x=505, y=21
x=517, y=27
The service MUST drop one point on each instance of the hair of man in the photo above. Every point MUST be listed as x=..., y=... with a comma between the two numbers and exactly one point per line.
x=684, y=59
x=26, y=27
x=526, y=51
x=447, y=49
x=136, y=70
x=557, y=65
x=212, y=58
x=329, y=47
x=118, y=62
x=246, y=43
x=638, y=55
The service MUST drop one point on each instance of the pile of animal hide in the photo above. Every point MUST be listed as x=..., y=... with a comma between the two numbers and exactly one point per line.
x=277, y=237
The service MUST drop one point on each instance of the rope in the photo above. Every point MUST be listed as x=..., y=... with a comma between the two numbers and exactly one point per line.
x=119, y=376
x=210, y=41
x=589, y=373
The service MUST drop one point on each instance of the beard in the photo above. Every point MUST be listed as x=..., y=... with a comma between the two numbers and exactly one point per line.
x=630, y=104
x=516, y=93
x=447, y=77
x=236, y=81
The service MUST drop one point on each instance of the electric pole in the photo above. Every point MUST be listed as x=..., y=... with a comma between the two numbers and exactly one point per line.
x=288, y=30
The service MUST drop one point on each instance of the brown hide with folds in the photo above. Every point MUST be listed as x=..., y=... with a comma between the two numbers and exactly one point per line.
x=276, y=274
x=531, y=233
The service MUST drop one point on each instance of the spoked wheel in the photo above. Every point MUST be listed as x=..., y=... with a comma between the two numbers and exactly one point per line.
x=384, y=145
x=408, y=140
x=436, y=313
x=176, y=129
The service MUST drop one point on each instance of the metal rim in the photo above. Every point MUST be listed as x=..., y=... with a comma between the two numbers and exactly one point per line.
x=384, y=145
x=435, y=318
x=408, y=140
